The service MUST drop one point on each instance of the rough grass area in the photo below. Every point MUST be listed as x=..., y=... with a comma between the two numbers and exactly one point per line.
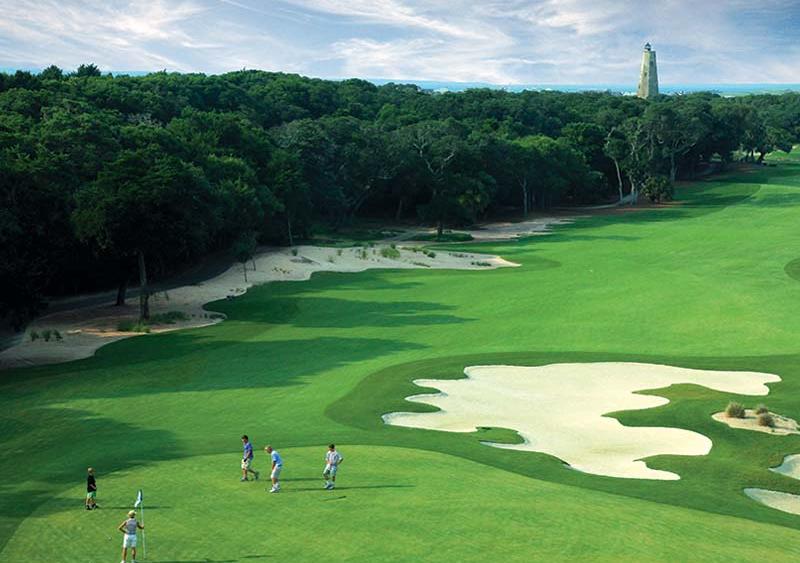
x=302, y=364
x=446, y=236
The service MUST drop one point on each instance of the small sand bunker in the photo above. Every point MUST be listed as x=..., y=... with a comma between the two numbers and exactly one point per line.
x=786, y=502
x=559, y=409
x=783, y=425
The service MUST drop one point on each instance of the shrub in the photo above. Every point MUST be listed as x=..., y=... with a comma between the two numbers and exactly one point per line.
x=390, y=252
x=429, y=253
x=658, y=189
x=169, y=318
x=57, y=335
x=734, y=410
x=34, y=336
x=46, y=333
x=484, y=264
x=216, y=316
x=132, y=325
x=447, y=236
x=294, y=252
x=331, y=259
x=762, y=409
x=339, y=252
x=766, y=419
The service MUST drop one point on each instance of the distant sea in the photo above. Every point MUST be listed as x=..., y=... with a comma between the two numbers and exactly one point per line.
x=625, y=89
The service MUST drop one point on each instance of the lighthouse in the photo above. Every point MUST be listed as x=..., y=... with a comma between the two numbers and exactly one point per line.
x=648, y=81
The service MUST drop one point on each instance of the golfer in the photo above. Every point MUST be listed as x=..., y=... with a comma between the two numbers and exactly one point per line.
x=91, y=489
x=332, y=461
x=247, y=459
x=129, y=528
x=277, y=465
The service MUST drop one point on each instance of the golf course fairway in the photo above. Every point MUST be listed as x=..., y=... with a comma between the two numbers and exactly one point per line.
x=708, y=283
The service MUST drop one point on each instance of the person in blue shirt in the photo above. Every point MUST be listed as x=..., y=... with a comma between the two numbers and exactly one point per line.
x=247, y=459
x=277, y=465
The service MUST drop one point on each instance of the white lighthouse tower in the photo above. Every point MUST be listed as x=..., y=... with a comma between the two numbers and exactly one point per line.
x=648, y=81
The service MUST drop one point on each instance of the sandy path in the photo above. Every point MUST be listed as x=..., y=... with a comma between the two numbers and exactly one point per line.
x=84, y=330
x=498, y=231
x=560, y=410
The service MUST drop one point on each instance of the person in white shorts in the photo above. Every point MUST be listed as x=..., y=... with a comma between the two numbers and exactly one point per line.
x=277, y=465
x=129, y=528
x=332, y=461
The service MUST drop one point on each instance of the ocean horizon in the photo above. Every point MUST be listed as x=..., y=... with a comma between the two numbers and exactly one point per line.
x=725, y=89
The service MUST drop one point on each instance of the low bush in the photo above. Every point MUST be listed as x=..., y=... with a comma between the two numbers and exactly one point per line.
x=132, y=325
x=766, y=419
x=483, y=264
x=762, y=409
x=294, y=252
x=169, y=318
x=390, y=252
x=429, y=253
x=447, y=236
x=46, y=334
x=734, y=410
x=57, y=335
x=34, y=336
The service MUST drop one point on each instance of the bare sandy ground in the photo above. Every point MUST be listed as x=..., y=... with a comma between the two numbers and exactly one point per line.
x=783, y=425
x=499, y=231
x=510, y=231
x=787, y=502
x=87, y=329
x=561, y=410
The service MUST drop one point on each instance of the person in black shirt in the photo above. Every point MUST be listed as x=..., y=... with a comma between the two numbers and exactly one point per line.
x=91, y=490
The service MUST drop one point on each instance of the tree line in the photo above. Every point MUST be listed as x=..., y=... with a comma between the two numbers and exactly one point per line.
x=105, y=179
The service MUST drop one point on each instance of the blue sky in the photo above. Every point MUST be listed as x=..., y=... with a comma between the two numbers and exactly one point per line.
x=496, y=41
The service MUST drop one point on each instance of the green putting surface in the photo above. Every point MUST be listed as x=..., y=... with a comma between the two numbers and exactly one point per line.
x=705, y=284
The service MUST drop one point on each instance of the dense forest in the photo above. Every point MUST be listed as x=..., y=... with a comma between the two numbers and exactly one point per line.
x=105, y=178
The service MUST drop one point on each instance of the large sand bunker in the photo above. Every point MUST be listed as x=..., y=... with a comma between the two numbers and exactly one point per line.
x=559, y=409
x=786, y=502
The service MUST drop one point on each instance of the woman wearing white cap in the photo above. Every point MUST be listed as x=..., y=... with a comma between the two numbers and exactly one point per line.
x=129, y=528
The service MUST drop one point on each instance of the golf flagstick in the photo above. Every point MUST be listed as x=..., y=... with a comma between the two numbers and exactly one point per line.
x=140, y=505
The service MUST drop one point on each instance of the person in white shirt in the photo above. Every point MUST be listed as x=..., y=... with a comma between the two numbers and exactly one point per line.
x=332, y=461
x=129, y=528
x=277, y=465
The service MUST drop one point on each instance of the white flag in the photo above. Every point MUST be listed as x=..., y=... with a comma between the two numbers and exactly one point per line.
x=139, y=499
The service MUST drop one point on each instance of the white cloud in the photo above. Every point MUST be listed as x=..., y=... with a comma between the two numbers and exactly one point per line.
x=503, y=41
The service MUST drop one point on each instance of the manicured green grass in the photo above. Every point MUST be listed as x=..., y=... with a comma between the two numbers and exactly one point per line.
x=702, y=284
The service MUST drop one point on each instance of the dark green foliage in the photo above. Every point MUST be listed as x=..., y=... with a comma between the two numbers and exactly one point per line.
x=389, y=252
x=97, y=172
x=658, y=189
x=169, y=318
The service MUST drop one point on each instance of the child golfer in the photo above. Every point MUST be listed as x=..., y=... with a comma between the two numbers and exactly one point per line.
x=247, y=459
x=277, y=465
x=91, y=489
x=332, y=461
x=129, y=528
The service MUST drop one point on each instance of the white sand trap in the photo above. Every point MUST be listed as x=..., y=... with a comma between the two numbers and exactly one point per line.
x=787, y=502
x=87, y=329
x=783, y=425
x=559, y=410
